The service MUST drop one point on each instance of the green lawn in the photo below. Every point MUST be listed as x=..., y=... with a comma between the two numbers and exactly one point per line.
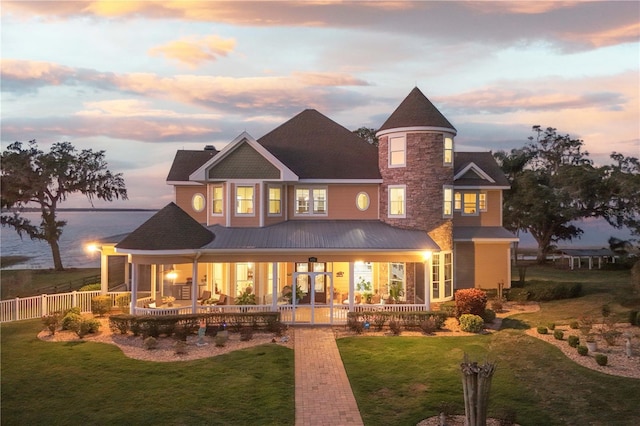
x=94, y=383
x=402, y=380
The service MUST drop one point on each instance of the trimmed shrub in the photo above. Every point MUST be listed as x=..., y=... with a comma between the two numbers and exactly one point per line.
x=552, y=326
x=150, y=343
x=542, y=330
x=246, y=333
x=518, y=295
x=91, y=287
x=573, y=341
x=428, y=326
x=602, y=359
x=86, y=326
x=71, y=320
x=471, y=323
x=489, y=316
x=123, y=301
x=558, y=334
x=574, y=325
x=73, y=310
x=52, y=321
x=497, y=305
x=448, y=308
x=582, y=350
x=120, y=323
x=100, y=305
x=541, y=291
x=395, y=327
x=470, y=301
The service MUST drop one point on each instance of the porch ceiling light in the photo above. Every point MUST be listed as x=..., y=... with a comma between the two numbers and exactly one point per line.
x=92, y=248
x=172, y=275
x=426, y=255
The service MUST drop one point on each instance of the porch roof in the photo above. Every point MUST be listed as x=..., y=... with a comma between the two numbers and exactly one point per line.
x=321, y=234
x=480, y=233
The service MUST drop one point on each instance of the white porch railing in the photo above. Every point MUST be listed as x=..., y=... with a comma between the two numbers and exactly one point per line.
x=23, y=308
x=38, y=306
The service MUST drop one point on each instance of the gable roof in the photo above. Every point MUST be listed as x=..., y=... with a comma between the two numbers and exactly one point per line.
x=484, y=161
x=416, y=111
x=316, y=147
x=186, y=162
x=169, y=229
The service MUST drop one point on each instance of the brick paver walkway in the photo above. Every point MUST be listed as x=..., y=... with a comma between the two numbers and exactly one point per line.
x=323, y=391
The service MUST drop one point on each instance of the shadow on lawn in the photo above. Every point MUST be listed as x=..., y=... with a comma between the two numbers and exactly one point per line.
x=515, y=324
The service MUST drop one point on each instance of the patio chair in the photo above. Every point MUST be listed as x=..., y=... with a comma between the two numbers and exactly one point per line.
x=206, y=295
x=222, y=300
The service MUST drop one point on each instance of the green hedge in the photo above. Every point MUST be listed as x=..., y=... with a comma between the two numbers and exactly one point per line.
x=178, y=324
x=541, y=291
x=406, y=320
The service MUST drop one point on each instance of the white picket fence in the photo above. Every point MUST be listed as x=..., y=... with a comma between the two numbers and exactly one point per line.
x=23, y=308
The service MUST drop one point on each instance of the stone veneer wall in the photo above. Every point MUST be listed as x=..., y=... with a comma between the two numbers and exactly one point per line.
x=424, y=176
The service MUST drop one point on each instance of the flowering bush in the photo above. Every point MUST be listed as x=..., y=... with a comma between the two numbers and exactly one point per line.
x=470, y=301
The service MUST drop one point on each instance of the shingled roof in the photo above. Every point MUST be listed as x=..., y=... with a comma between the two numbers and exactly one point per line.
x=316, y=147
x=486, y=162
x=169, y=229
x=186, y=162
x=416, y=111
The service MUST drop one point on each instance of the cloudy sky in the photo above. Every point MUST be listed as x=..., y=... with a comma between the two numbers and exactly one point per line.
x=141, y=80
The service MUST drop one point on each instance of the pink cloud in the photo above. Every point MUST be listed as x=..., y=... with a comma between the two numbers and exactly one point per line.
x=193, y=51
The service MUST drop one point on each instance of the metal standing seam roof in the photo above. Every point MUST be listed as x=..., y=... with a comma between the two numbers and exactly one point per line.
x=321, y=234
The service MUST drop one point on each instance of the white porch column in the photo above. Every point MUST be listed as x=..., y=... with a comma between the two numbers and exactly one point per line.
x=352, y=280
x=274, y=286
x=194, y=285
x=427, y=283
x=127, y=278
x=104, y=273
x=154, y=280
x=134, y=288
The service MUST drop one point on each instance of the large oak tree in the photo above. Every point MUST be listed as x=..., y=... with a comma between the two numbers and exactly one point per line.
x=554, y=184
x=31, y=177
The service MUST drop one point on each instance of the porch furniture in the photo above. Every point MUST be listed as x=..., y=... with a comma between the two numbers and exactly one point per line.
x=222, y=300
x=182, y=291
x=206, y=295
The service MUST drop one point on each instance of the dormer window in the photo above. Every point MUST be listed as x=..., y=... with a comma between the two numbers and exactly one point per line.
x=397, y=151
x=448, y=151
x=244, y=200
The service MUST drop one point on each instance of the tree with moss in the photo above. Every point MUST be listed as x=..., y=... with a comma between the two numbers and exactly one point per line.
x=32, y=177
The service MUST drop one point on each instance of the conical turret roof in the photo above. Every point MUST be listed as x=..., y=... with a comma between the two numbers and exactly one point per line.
x=416, y=111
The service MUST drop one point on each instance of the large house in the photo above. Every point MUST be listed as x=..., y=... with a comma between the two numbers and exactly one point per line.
x=313, y=221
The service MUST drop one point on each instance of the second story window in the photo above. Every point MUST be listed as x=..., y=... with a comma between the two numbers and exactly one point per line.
x=397, y=151
x=216, y=203
x=482, y=201
x=275, y=200
x=397, y=201
x=469, y=203
x=197, y=202
x=244, y=200
x=447, y=204
x=448, y=151
x=311, y=201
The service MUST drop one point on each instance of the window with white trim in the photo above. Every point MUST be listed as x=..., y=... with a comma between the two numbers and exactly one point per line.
x=448, y=151
x=441, y=276
x=397, y=285
x=244, y=200
x=469, y=203
x=198, y=202
x=244, y=277
x=397, y=151
x=482, y=201
x=216, y=200
x=275, y=200
x=311, y=201
x=397, y=201
x=447, y=203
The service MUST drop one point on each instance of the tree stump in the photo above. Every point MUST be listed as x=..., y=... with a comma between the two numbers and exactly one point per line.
x=476, y=384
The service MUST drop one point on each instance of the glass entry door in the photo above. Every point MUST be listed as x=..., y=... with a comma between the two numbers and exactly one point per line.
x=303, y=281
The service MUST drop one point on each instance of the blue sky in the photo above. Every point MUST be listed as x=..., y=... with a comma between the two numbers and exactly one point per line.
x=141, y=80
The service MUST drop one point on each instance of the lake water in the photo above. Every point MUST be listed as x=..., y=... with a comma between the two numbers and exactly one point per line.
x=82, y=226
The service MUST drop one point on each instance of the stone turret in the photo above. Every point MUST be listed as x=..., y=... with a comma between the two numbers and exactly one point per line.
x=416, y=163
